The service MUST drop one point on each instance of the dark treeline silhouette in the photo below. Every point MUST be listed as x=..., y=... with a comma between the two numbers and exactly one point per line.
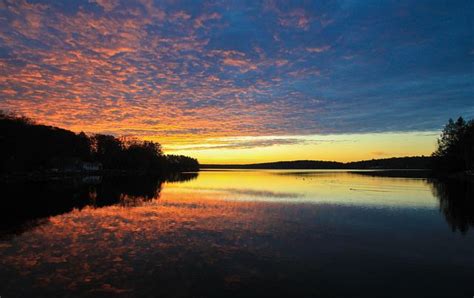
x=26, y=146
x=416, y=162
x=30, y=201
x=455, y=150
x=455, y=153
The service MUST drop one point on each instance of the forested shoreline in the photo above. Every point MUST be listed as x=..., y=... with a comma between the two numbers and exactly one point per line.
x=454, y=154
x=408, y=163
x=27, y=147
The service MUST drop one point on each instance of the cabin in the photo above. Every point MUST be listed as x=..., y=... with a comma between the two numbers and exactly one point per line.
x=91, y=166
x=73, y=165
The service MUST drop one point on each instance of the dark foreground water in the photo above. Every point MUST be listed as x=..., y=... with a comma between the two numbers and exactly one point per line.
x=238, y=233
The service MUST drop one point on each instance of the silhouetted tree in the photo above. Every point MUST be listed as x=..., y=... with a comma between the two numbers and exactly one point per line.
x=107, y=150
x=181, y=163
x=84, y=146
x=455, y=150
x=144, y=155
x=27, y=146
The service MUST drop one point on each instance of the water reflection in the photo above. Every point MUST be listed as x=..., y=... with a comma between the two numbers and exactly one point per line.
x=455, y=196
x=28, y=203
x=126, y=191
x=252, y=234
x=314, y=187
x=456, y=201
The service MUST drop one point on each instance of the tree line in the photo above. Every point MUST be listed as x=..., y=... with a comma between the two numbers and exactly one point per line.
x=28, y=146
x=412, y=162
x=455, y=153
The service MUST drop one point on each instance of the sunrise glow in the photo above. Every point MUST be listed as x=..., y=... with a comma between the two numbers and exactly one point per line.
x=231, y=83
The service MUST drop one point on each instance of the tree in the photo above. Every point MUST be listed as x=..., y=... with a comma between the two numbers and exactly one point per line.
x=143, y=155
x=26, y=146
x=107, y=150
x=455, y=150
x=83, y=147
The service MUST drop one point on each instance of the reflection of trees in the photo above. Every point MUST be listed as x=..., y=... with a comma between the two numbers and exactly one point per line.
x=27, y=201
x=181, y=177
x=456, y=201
x=126, y=190
x=133, y=190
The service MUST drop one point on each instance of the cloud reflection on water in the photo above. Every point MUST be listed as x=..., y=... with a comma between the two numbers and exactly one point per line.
x=187, y=239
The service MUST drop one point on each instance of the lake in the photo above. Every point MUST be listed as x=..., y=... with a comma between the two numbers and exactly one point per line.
x=229, y=233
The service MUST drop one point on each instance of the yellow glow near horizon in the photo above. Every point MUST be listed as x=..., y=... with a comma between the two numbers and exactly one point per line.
x=297, y=186
x=341, y=147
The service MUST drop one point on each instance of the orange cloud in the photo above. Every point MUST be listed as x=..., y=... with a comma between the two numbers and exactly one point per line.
x=319, y=49
x=242, y=64
x=109, y=73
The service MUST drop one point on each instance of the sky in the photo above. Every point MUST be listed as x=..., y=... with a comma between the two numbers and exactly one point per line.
x=244, y=81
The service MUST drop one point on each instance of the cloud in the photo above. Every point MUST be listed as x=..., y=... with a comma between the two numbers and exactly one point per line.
x=247, y=142
x=181, y=74
x=202, y=19
x=240, y=144
x=107, y=5
x=241, y=64
x=297, y=18
x=379, y=153
x=318, y=49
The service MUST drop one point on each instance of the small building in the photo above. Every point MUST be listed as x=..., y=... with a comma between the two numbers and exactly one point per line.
x=91, y=166
x=73, y=165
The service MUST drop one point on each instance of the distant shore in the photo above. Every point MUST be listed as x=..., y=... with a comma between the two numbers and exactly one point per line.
x=408, y=167
x=408, y=162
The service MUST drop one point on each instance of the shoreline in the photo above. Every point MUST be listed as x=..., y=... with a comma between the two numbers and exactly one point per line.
x=400, y=173
x=48, y=176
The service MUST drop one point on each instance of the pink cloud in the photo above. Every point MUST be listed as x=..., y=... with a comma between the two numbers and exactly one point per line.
x=319, y=49
x=107, y=5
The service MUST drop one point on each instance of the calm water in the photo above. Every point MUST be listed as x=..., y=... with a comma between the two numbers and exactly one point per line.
x=238, y=233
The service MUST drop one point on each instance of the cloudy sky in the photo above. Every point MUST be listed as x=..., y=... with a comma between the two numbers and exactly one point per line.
x=244, y=81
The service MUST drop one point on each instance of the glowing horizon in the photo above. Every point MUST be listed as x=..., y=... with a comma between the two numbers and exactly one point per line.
x=342, y=148
x=236, y=82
